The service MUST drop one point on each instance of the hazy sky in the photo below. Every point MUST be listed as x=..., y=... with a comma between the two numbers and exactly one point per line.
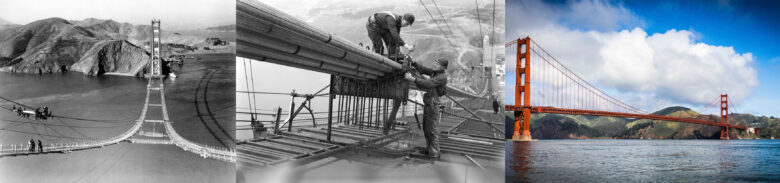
x=177, y=13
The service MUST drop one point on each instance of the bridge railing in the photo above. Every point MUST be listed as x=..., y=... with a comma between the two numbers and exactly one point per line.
x=225, y=154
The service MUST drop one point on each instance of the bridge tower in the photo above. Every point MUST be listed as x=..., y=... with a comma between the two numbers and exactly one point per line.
x=155, y=70
x=724, y=116
x=154, y=115
x=523, y=91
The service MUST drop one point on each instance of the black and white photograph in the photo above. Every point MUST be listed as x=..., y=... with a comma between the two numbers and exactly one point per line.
x=117, y=91
x=369, y=91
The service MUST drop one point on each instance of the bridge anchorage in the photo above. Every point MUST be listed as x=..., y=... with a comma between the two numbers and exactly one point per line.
x=366, y=91
x=558, y=90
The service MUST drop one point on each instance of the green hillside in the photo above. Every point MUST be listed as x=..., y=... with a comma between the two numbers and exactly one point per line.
x=560, y=126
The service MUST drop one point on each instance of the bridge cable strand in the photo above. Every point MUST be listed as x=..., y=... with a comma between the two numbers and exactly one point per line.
x=437, y=24
x=579, y=80
x=705, y=108
x=443, y=19
x=17, y=103
x=479, y=24
x=564, y=99
x=568, y=83
x=733, y=106
x=32, y=124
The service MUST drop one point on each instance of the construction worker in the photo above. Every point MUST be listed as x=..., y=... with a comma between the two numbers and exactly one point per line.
x=31, y=143
x=386, y=26
x=40, y=146
x=434, y=87
x=495, y=106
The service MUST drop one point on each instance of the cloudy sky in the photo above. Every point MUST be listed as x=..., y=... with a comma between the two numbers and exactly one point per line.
x=176, y=13
x=655, y=54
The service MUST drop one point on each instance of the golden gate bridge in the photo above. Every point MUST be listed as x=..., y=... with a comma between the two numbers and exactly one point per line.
x=545, y=85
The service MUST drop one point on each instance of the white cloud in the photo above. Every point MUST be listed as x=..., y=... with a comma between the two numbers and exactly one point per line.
x=610, y=16
x=646, y=71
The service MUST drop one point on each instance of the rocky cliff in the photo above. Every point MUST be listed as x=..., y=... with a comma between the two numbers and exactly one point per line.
x=56, y=45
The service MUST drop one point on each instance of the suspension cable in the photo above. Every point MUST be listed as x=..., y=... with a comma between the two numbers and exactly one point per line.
x=443, y=18
x=437, y=24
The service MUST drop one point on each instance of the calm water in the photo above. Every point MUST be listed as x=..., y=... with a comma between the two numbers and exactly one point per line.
x=200, y=102
x=643, y=161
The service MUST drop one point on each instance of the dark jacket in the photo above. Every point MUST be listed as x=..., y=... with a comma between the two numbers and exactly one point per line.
x=434, y=87
x=387, y=23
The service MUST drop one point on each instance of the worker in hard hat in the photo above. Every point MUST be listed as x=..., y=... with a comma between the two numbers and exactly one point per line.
x=434, y=87
x=386, y=26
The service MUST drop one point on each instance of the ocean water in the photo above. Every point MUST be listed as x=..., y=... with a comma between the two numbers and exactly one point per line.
x=643, y=161
x=201, y=102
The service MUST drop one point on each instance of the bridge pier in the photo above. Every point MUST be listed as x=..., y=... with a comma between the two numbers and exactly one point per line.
x=523, y=92
x=724, y=116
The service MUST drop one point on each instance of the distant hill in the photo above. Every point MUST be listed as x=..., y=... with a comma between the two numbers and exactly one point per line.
x=4, y=22
x=226, y=28
x=90, y=46
x=56, y=45
x=555, y=126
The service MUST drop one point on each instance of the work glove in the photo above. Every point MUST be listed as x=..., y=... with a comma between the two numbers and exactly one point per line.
x=409, y=47
x=409, y=77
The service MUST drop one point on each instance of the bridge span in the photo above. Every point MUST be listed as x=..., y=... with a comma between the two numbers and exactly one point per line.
x=558, y=90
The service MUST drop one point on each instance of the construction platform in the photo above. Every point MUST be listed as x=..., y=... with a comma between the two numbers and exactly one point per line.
x=305, y=144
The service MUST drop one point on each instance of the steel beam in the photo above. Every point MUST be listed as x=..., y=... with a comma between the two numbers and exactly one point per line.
x=254, y=15
x=288, y=48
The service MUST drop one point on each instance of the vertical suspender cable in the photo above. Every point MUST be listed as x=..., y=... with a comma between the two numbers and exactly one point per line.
x=248, y=95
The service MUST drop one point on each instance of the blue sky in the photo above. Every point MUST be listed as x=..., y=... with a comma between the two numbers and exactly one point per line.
x=749, y=29
x=748, y=26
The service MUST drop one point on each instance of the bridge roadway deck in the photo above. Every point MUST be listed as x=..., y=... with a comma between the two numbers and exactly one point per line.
x=307, y=144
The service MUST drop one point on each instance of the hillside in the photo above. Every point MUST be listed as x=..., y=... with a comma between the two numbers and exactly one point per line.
x=56, y=45
x=90, y=46
x=4, y=22
x=555, y=126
